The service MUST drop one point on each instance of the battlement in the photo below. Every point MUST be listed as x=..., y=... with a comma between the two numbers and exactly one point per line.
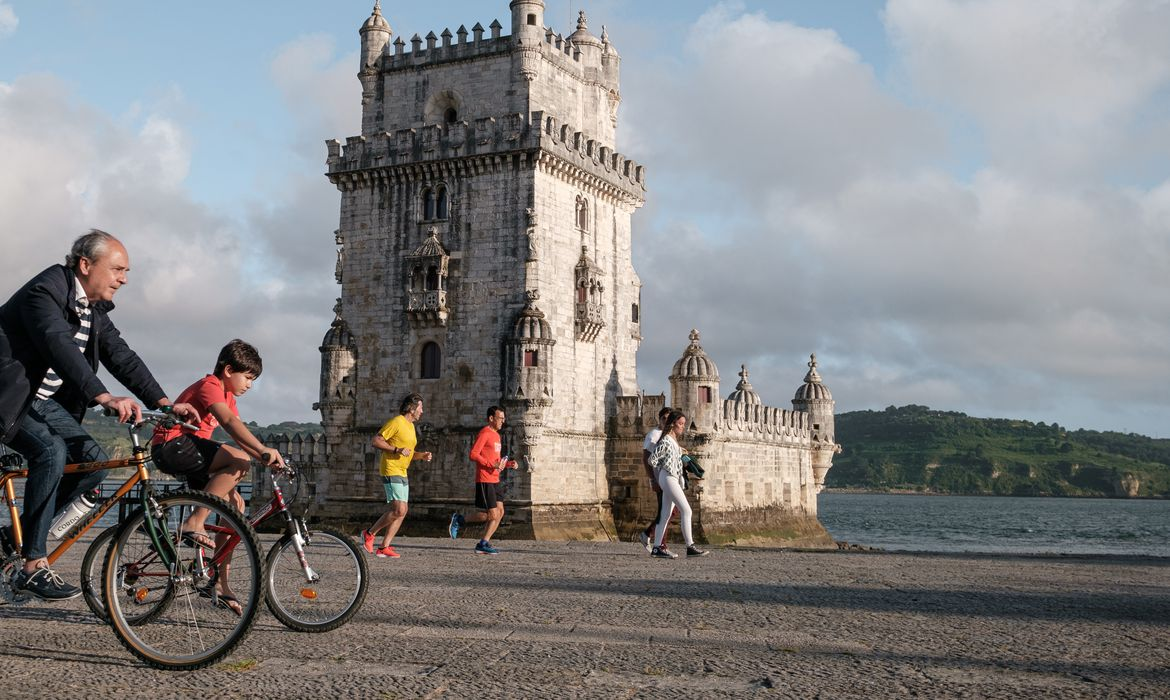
x=488, y=136
x=463, y=45
x=764, y=423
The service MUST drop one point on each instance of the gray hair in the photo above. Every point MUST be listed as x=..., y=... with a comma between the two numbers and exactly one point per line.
x=90, y=246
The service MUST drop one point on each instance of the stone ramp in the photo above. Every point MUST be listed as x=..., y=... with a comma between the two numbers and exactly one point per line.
x=604, y=620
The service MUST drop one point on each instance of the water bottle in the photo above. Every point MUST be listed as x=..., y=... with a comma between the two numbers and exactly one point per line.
x=72, y=514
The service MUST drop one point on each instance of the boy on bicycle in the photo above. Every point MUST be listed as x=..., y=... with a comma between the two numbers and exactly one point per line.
x=208, y=465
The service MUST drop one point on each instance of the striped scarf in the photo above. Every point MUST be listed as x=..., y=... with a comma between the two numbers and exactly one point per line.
x=52, y=382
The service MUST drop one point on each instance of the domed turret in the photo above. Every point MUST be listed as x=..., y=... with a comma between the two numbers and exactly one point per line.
x=375, y=33
x=694, y=385
x=338, y=357
x=528, y=360
x=815, y=398
x=743, y=391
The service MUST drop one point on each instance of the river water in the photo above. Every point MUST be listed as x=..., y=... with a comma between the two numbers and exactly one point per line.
x=998, y=524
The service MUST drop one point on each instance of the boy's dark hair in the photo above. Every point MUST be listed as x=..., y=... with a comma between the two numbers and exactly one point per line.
x=242, y=357
x=492, y=411
x=663, y=412
x=409, y=402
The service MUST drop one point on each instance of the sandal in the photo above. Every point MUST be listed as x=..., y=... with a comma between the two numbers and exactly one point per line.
x=227, y=601
x=197, y=538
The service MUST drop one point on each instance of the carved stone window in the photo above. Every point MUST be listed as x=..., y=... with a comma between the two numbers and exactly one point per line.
x=426, y=290
x=531, y=358
x=432, y=360
x=635, y=314
x=704, y=394
x=433, y=203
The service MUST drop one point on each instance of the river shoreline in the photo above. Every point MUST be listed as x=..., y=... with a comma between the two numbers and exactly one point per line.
x=915, y=492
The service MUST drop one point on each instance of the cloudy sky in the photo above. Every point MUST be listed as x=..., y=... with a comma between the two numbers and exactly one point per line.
x=957, y=203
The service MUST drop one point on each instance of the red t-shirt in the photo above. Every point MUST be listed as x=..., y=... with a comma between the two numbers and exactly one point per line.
x=202, y=394
x=486, y=455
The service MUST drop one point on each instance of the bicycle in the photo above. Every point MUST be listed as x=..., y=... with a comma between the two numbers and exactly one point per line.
x=179, y=621
x=316, y=578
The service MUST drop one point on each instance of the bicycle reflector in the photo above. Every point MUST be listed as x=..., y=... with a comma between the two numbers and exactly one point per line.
x=308, y=593
x=140, y=595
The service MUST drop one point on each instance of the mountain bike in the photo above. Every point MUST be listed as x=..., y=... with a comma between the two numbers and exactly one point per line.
x=178, y=619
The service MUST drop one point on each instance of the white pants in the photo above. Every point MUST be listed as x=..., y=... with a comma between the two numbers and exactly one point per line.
x=673, y=497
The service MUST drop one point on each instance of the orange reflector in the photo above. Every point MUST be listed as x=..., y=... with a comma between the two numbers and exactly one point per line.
x=308, y=593
x=140, y=594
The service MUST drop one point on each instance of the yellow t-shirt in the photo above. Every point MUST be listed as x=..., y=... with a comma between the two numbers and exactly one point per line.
x=399, y=432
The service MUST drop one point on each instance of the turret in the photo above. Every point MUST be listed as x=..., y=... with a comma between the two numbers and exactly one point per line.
x=589, y=45
x=375, y=35
x=528, y=375
x=694, y=386
x=338, y=357
x=814, y=398
x=527, y=21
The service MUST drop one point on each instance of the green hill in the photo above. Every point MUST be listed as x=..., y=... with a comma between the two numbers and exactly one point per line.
x=915, y=448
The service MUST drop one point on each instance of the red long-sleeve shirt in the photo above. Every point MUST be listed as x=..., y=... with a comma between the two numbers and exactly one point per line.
x=486, y=455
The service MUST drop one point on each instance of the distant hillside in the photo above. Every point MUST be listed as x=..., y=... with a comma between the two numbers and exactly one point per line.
x=918, y=449
x=116, y=439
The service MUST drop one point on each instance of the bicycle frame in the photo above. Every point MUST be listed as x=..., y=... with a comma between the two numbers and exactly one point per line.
x=140, y=476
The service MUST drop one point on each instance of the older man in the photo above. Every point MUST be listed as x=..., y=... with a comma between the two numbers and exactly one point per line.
x=53, y=333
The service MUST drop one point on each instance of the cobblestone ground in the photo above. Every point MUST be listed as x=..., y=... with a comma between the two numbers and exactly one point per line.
x=604, y=620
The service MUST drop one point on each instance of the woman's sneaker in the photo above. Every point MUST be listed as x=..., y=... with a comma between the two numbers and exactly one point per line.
x=368, y=541
x=387, y=551
x=663, y=553
x=694, y=551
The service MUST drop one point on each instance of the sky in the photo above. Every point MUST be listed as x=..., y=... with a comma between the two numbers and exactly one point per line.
x=963, y=204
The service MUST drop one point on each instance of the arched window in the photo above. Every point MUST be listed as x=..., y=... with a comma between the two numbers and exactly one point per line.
x=582, y=294
x=416, y=280
x=432, y=278
x=428, y=201
x=451, y=115
x=441, y=203
x=432, y=359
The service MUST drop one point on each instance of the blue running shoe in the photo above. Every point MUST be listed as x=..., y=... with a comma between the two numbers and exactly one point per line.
x=456, y=523
x=485, y=547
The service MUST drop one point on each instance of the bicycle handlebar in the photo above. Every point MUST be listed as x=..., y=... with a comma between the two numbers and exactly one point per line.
x=163, y=418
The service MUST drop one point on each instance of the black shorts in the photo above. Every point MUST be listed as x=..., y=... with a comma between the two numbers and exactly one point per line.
x=488, y=495
x=188, y=457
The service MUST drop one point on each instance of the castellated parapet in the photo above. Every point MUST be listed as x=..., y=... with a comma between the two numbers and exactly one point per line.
x=484, y=255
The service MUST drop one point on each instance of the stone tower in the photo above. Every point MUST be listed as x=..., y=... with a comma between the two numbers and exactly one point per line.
x=484, y=258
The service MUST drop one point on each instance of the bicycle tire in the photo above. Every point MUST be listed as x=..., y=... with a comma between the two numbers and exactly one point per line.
x=326, y=603
x=197, y=628
x=141, y=602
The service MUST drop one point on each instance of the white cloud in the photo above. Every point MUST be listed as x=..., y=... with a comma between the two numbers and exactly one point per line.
x=818, y=215
x=8, y=20
x=1060, y=87
x=198, y=278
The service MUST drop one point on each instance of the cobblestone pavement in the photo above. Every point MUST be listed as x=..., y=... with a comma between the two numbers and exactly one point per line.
x=604, y=620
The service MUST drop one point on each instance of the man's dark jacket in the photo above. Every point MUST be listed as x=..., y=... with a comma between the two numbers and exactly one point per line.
x=37, y=326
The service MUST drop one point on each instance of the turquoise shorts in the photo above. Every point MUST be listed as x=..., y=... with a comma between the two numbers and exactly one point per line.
x=397, y=488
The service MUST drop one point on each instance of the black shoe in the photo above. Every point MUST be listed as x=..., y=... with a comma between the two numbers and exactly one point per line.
x=45, y=584
x=694, y=551
x=663, y=553
x=7, y=548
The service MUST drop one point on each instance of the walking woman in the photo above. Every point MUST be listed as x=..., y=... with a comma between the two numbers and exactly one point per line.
x=668, y=467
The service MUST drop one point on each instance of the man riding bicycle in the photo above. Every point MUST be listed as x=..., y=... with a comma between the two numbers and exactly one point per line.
x=53, y=333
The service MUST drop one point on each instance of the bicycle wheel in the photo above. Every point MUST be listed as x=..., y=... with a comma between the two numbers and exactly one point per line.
x=198, y=626
x=326, y=596
x=91, y=571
